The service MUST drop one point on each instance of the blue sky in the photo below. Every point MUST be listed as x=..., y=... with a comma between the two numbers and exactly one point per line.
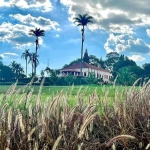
x=121, y=26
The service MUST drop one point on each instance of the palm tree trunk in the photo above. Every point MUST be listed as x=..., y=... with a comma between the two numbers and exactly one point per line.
x=35, y=69
x=26, y=67
x=36, y=42
x=36, y=54
x=32, y=68
x=82, y=51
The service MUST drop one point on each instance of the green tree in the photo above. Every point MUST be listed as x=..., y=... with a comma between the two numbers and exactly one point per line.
x=91, y=79
x=138, y=71
x=112, y=58
x=48, y=71
x=82, y=20
x=70, y=79
x=34, y=62
x=126, y=77
x=6, y=73
x=102, y=63
x=146, y=68
x=54, y=78
x=37, y=33
x=94, y=61
x=17, y=69
x=86, y=57
x=42, y=73
x=1, y=63
x=122, y=62
x=26, y=54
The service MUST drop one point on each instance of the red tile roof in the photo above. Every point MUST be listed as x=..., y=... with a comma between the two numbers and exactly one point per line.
x=84, y=65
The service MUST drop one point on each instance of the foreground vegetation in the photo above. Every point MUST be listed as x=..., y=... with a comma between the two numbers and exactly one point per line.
x=96, y=122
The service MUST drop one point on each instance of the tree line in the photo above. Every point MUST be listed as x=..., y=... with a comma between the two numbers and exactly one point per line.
x=125, y=70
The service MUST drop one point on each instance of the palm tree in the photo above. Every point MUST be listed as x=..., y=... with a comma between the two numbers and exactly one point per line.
x=13, y=65
x=42, y=73
x=82, y=20
x=34, y=61
x=48, y=71
x=17, y=69
x=37, y=33
x=25, y=55
x=20, y=71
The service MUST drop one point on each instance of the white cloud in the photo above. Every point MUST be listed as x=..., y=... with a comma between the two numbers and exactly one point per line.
x=4, y=4
x=39, y=22
x=40, y=5
x=57, y=35
x=2, y=55
x=111, y=15
x=136, y=58
x=148, y=32
x=9, y=53
x=126, y=43
x=16, y=34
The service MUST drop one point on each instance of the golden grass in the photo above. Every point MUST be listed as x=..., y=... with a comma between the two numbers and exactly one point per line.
x=93, y=123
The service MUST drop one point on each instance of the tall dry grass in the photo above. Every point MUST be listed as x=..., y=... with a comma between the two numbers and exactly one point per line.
x=93, y=123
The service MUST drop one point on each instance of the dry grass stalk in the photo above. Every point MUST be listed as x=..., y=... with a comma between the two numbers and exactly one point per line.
x=9, y=118
x=57, y=142
x=87, y=121
x=119, y=137
x=148, y=146
x=30, y=133
x=21, y=122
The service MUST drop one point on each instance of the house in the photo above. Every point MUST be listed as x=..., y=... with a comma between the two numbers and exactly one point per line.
x=86, y=68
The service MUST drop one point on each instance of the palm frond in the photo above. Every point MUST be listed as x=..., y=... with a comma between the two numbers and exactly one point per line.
x=83, y=20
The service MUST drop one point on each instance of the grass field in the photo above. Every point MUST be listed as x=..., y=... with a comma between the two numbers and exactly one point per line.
x=74, y=117
x=50, y=90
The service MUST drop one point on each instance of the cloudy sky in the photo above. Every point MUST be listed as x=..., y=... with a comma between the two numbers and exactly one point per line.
x=118, y=25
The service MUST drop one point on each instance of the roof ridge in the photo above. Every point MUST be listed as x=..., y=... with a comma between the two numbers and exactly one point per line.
x=84, y=64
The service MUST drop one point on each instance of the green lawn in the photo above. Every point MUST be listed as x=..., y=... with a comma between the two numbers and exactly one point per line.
x=55, y=90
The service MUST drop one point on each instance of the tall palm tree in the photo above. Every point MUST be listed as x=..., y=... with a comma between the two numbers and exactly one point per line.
x=26, y=54
x=82, y=20
x=34, y=61
x=37, y=33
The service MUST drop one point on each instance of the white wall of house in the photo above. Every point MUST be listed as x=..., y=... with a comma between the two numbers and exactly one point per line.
x=98, y=73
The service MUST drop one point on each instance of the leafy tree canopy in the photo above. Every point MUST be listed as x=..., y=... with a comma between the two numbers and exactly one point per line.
x=112, y=58
x=86, y=57
x=6, y=73
x=146, y=68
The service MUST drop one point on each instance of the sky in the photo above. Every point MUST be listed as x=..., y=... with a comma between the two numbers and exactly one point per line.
x=122, y=26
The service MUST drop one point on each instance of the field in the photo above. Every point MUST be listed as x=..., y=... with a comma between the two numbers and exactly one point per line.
x=74, y=118
x=50, y=90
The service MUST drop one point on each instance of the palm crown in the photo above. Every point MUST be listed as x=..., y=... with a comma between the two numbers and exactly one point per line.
x=37, y=33
x=83, y=20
